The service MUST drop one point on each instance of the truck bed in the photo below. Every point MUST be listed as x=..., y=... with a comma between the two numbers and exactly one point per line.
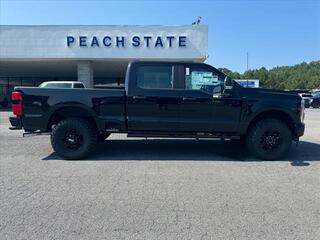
x=40, y=103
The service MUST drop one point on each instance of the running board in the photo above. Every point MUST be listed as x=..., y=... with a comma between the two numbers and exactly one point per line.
x=196, y=136
x=36, y=133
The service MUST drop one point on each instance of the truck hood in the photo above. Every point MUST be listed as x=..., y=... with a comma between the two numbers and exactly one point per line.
x=272, y=97
x=276, y=91
x=272, y=93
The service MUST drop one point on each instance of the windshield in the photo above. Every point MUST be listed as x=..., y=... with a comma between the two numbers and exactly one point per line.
x=56, y=85
x=317, y=94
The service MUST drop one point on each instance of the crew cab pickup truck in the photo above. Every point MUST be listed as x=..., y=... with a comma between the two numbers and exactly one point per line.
x=162, y=99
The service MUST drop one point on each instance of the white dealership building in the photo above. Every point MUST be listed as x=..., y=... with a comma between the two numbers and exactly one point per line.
x=92, y=54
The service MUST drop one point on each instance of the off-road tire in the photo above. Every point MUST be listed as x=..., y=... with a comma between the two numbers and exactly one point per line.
x=315, y=105
x=83, y=128
x=256, y=136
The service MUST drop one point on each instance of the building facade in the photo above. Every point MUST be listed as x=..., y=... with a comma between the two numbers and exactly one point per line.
x=249, y=83
x=93, y=55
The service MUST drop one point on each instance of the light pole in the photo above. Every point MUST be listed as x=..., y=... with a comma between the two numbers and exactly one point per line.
x=247, y=61
x=247, y=66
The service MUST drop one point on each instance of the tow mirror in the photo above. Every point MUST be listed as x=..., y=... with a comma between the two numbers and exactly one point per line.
x=228, y=85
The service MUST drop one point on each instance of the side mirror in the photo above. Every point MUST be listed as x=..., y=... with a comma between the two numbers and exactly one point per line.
x=228, y=85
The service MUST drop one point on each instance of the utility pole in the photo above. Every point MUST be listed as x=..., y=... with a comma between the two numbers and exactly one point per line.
x=247, y=61
x=247, y=66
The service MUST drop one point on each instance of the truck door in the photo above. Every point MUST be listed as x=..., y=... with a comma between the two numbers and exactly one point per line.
x=152, y=99
x=202, y=108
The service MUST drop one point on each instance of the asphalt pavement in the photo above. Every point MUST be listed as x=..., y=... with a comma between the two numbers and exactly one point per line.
x=158, y=189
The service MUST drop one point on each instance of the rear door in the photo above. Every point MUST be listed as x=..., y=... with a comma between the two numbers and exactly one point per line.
x=203, y=107
x=153, y=99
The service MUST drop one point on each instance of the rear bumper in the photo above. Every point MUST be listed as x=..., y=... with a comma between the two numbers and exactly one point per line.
x=29, y=124
x=299, y=129
x=16, y=123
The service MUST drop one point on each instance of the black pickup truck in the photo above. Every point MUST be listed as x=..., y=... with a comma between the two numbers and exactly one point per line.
x=162, y=99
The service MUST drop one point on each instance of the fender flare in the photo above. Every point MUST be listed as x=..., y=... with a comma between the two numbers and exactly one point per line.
x=268, y=110
x=56, y=108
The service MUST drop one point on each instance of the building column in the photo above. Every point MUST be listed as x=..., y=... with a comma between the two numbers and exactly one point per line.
x=85, y=73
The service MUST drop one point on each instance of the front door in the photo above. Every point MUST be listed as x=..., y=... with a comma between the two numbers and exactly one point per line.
x=202, y=108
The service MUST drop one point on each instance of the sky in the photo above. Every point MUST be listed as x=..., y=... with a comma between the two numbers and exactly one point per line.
x=273, y=32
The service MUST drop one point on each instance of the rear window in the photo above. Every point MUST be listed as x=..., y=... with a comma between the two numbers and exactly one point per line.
x=155, y=77
x=57, y=85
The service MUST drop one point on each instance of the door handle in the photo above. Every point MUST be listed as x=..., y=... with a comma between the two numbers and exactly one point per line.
x=138, y=97
x=188, y=98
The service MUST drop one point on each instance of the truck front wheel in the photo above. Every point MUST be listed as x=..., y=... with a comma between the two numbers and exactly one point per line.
x=315, y=105
x=269, y=139
x=73, y=138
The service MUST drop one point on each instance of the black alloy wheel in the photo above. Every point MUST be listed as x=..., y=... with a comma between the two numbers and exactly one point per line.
x=73, y=138
x=269, y=139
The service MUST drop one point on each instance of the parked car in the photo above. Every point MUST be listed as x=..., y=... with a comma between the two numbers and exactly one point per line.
x=162, y=99
x=109, y=86
x=307, y=97
x=62, y=84
x=315, y=103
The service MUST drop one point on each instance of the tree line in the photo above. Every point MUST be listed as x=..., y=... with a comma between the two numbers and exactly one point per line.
x=300, y=76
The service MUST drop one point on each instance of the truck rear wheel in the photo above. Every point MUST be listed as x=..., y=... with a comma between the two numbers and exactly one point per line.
x=269, y=139
x=73, y=138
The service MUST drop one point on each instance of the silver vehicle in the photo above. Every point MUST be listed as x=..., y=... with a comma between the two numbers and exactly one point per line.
x=315, y=103
x=62, y=84
x=307, y=97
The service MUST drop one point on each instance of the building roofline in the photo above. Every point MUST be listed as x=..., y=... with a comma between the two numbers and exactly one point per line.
x=99, y=25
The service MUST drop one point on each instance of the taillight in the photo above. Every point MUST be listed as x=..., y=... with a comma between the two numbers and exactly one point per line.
x=16, y=99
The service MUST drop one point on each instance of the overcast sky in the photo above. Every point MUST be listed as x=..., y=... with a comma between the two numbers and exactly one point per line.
x=274, y=32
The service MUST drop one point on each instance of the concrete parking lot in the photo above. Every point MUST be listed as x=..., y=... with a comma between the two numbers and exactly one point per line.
x=158, y=189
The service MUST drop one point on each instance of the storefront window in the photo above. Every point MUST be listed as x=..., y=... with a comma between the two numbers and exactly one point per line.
x=3, y=86
x=28, y=82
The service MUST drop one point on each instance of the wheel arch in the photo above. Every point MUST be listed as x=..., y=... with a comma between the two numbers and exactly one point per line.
x=70, y=111
x=275, y=114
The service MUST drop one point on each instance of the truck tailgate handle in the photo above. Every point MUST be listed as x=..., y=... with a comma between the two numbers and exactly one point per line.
x=138, y=97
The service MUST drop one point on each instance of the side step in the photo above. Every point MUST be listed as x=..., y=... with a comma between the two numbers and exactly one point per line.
x=196, y=136
x=36, y=133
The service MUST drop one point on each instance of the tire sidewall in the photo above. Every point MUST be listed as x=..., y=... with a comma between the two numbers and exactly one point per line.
x=253, y=140
x=83, y=128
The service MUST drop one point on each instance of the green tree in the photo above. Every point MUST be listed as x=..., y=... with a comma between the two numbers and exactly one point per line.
x=300, y=76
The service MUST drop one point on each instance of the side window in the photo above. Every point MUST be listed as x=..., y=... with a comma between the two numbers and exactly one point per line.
x=198, y=78
x=78, y=85
x=155, y=77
